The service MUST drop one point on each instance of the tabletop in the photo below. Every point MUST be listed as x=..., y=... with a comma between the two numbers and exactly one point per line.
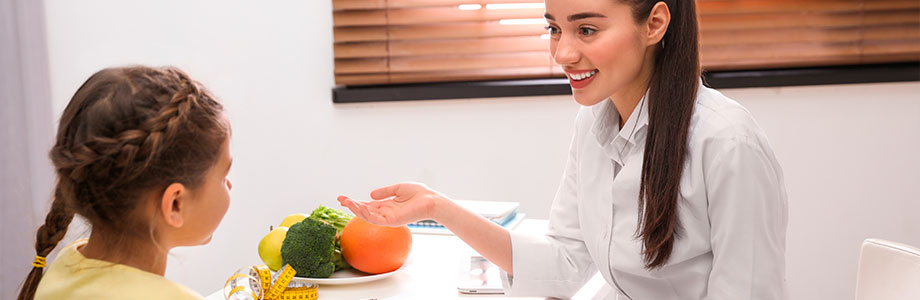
x=432, y=272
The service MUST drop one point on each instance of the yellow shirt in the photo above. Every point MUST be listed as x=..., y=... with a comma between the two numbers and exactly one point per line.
x=73, y=276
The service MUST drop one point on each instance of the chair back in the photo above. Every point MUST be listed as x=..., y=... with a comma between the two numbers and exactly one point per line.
x=888, y=270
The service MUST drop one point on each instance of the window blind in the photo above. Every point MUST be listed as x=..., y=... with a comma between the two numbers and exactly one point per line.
x=414, y=41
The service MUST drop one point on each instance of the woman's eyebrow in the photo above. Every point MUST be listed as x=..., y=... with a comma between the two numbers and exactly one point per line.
x=585, y=15
x=577, y=16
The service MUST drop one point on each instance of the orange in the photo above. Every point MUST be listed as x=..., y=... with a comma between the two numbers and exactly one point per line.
x=375, y=249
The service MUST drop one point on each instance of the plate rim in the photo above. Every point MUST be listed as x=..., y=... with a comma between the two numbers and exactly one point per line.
x=351, y=280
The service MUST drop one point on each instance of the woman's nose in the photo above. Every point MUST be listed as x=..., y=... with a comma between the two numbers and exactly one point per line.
x=565, y=53
x=229, y=184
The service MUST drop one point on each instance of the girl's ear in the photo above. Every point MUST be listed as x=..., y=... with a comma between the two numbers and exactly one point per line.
x=172, y=203
x=657, y=23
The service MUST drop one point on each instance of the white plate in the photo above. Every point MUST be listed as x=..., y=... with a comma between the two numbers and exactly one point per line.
x=349, y=276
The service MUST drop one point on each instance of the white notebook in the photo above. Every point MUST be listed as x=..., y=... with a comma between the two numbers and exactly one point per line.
x=490, y=209
x=502, y=213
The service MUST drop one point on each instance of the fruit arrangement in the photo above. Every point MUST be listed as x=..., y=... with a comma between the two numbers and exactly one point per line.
x=329, y=240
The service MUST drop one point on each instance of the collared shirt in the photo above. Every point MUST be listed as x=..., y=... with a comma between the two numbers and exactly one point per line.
x=732, y=211
x=73, y=276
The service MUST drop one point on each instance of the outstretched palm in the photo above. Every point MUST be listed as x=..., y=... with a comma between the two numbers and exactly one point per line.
x=396, y=205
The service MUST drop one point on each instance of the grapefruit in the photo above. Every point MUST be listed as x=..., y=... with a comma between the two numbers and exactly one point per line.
x=375, y=249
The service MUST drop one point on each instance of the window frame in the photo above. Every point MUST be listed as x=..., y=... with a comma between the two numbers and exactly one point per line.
x=849, y=74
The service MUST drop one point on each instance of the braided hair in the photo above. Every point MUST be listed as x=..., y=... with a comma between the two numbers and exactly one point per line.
x=125, y=132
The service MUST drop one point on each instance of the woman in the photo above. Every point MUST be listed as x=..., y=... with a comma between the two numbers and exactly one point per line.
x=671, y=189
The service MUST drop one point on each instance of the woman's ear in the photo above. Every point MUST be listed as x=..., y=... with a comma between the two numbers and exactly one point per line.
x=172, y=203
x=657, y=23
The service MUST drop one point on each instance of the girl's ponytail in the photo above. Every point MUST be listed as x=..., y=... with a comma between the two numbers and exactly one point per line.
x=47, y=237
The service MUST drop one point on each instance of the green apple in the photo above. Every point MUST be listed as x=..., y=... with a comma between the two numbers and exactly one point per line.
x=270, y=247
x=293, y=219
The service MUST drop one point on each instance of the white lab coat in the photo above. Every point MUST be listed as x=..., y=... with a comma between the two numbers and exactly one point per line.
x=733, y=212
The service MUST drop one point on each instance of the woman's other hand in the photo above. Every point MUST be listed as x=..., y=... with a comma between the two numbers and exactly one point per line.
x=396, y=205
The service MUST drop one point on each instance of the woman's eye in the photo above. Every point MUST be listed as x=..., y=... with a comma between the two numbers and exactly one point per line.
x=552, y=30
x=586, y=31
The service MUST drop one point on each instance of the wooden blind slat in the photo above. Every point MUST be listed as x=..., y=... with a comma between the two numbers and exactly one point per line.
x=435, y=31
x=706, y=8
x=464, y=62
x=362, y=65
x=911, y=47
x=900, y=33
x=790, y=52
x=360, y=34
x=402, y=41
x=441, y=47
x=471, y=46
x=429, y=15
x=382, y=4
x=442, y=63
x=768, y=37
x=891, y=5
x=752, y=22
x=894, y=17
x=457, y=75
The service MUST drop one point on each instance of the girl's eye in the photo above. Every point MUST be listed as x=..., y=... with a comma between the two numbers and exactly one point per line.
x=586, y=31
x=551, y=29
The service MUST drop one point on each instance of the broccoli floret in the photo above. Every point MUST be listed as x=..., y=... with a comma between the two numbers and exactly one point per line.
x=337, y=219
x=331, y=216
x=309, y=248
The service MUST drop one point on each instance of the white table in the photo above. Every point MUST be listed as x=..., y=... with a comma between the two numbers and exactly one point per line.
x=432, y=272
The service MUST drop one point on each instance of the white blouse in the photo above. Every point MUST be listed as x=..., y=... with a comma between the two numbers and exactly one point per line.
x=732, y=211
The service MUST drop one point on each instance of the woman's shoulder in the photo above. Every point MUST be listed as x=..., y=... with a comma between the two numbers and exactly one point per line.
x=718, y=116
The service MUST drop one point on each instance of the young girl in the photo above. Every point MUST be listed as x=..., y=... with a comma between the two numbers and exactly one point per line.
x=142, y=154
x=671, y=189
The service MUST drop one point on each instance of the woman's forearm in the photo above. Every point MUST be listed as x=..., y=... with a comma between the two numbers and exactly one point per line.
x=486, y=237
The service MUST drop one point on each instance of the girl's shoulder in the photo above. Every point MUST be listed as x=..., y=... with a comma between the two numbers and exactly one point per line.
x=73, y=276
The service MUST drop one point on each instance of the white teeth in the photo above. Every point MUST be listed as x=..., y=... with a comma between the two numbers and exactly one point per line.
x=582, y=76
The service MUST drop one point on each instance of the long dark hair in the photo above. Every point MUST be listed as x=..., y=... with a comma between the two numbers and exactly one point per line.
x=127, y=131
x=672, y=92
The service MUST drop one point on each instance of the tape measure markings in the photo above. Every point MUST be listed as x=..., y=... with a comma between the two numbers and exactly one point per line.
x=260, y=277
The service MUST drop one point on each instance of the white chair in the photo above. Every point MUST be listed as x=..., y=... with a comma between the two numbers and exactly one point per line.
x=888, y=271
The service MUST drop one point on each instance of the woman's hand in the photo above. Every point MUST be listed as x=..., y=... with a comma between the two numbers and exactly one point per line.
x=397, y=204
x=405, y=203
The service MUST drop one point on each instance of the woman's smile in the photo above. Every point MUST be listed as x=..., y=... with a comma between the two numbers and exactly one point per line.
x=580, y=78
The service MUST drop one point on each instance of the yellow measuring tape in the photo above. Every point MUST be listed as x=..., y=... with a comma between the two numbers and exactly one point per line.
x=287, y=273
x=279, y=290
x=265, y=276
x=300, y=293
x=239, y=288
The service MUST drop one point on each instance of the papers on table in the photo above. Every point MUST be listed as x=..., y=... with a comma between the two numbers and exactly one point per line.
x=502, y=213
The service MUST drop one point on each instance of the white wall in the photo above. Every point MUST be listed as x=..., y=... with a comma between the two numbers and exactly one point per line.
x=26, y=134
x=848, y=151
